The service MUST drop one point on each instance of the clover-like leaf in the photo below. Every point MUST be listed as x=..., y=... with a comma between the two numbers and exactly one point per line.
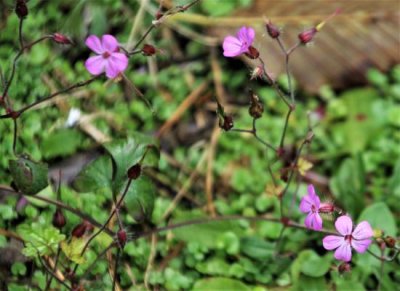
x=73, y=249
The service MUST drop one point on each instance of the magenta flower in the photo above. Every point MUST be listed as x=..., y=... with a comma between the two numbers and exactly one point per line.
x=311, y=204
x=108, y=58
x=359, y=238
x=235, y=46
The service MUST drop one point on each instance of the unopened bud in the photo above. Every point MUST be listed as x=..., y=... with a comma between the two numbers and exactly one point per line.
x=21, y=9
x=390, y=242
x=307, y=35
x=79, y=230
x=148, y=50
x=257, y=73
x=326, y=208
x=253, y=53
x=61, y=38
x=344, y=267
x=122, y=237
x=226, y=123
x=272, y=30
x=256, y=108
x=134, y=171
x=59, y=220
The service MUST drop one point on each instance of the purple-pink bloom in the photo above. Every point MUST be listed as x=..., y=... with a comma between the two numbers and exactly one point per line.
x=235, y=46
x=359, y=238
x=311, y=204
x=108, y=59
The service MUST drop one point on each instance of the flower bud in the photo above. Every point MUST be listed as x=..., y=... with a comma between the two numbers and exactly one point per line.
x=226, y=123
x=272, y=30
x=59, y=220
x=256, y=107
x=61, y=38
x=344, y=267
x=21, y=9
x=326, y=208
x=257, y=73
x=122, y=237
x=134, y=171
x=253, y=53
x=307, y=35
x=79, y=230
x=148, y=50
x=390, y=242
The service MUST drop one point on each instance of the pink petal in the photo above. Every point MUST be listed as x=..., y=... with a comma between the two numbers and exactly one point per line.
x=363, y=231
x=343, y=252
x=110, y=43
x=360, y=245
x=95, y=65
x=119, y=60
x=93, y=42
x=313, y=221
x=232, y=46
x=344, y=225
x=246, y=35
x=111, y=70
x=332, y=242
x=313, y=195
x=305, y=204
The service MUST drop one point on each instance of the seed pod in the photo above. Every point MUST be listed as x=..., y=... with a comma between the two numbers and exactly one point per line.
x=134, y=171
x=272, y=30
x=61, y=38
x=59, y=220
x=256, y=108
x=344, y=267
x=79, y=230
x=307, y=35
x=390, y=242
x=226, y=123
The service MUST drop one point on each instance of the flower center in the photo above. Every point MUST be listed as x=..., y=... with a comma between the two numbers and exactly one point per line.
x=313, y=208
x=106, y=55
x=348, y=238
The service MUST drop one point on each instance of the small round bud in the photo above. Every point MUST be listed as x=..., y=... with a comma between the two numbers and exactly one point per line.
x=390, y=242
x=344, y=267
x=21, y=9
x=79, y=230
x=272, y=30
x=226, y=123
x=253, y=53
x=122, y=238
x=134, y=171
x=307, y=35
x=59, y=220
x=61, y=38
x=148, y=50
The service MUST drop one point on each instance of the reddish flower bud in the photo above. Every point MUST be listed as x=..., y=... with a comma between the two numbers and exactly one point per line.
x=307, y=35
x=326, y=208
x=253, y=53
x=122, y=237
x=21, y=9
x=272, y=30
x=148, y=50
x=134, y=171
x=226, y=123
x=344, y=267
x=59, y=220
x=79, y=230
x=390, y=242
x=280, y=151
x=61, y=38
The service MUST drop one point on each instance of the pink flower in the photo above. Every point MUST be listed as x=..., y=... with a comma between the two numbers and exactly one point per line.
x=108, y=58
x=311, y=204
x=235, y=46
x=359, y=238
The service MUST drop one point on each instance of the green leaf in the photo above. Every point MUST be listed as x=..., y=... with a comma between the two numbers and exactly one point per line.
x=73, y=249
x=61, y=143
x=220, y=283
x=316, y=266
x=312, y=284
x=96, y=176
x=379, y=217
x=126, y=153
x=348, y=184
x=257, y=248
x=18, y=268
x=29, y=176
x=140, y=198
x=40, y=239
